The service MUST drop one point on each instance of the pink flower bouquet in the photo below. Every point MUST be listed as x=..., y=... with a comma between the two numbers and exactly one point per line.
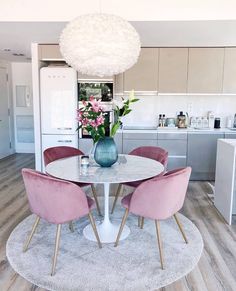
x=91, y=117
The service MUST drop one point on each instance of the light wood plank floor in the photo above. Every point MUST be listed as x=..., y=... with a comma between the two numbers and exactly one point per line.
x=216, y=269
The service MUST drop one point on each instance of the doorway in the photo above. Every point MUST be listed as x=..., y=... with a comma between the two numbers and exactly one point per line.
x=5, y=139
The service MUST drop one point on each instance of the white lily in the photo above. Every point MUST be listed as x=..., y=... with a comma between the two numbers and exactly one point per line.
x=131, y=95
x=118, y=103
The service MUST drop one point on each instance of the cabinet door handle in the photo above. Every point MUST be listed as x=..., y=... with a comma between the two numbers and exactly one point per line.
x=66, y=140
x=64, y=128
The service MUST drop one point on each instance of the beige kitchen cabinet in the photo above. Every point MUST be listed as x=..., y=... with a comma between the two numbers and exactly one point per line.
x=119, y=84
x=229, y=78
x=82, y=77
x=50, y=52
x=173, y=67
x=205, y=70
x=143, y=76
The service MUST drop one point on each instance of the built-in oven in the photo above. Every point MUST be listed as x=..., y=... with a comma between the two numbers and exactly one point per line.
x=101, y=90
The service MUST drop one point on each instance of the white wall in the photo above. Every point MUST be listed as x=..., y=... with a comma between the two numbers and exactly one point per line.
x=146, y=110
x=22, y=76
x=142, y=10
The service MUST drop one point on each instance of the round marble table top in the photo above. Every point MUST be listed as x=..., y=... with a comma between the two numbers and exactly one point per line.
x=127, y=168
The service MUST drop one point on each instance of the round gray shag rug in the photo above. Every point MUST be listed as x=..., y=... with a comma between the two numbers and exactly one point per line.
x=81, y=265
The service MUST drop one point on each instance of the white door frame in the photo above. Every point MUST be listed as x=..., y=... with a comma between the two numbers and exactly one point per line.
x=6, y=65
x=8, y=149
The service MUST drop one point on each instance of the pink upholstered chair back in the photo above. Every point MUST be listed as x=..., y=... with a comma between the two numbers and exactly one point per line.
x=161, y=197
x=152, y=152
x=54, y=200
x=56, y=153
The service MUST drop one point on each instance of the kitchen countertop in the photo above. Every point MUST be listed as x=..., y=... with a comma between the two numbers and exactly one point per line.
x=141, y=129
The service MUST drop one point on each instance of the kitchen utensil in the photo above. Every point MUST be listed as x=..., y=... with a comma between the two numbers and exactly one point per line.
x=170, y=122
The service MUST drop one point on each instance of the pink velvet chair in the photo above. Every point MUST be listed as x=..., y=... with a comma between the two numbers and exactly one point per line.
x=59, y=152
x=57, y=202
x=158, y=199
x=156, y=153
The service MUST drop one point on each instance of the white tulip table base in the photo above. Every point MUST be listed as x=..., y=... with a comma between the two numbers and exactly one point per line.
x=81, y=265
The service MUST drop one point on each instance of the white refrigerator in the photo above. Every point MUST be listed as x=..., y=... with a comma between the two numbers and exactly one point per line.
x=59, y=98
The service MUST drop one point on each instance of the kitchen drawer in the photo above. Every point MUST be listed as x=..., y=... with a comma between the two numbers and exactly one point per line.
x=130, y=144
x=174, y=147
x=138, y=135
x=176, y=162
x=172, y=135
x=54, y=140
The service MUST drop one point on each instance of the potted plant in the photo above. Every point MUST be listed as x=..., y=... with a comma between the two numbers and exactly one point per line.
x=92, y=118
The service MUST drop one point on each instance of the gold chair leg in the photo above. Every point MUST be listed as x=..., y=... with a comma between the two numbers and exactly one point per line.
x=159, y=243
x=71, y=227
x=116, y=197
x=180, y=228
x=56, y=249
x=94, y=229
x=141, y=222
x=96, y=199
x=121, y=226
x=31, y=234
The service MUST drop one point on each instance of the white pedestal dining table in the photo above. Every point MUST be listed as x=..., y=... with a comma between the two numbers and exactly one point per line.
x=128, y=168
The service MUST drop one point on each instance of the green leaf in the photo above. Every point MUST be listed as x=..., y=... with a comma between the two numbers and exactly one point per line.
x=114, y=128
x=101, y=131
x=127, y=112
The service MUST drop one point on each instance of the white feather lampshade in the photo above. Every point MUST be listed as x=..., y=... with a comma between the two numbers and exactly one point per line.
x=100, y=44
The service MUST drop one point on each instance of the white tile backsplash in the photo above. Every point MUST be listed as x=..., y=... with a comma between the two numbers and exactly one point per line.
x=147, y=109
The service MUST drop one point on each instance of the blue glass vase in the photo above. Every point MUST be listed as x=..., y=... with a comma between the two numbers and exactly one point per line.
x=106, y=153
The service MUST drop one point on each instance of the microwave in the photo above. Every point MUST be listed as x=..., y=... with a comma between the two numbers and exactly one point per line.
x=100, y=90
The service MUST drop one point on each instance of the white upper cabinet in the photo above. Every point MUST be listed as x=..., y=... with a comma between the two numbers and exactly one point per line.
x=173, y=70
x=229, y=79
x=205, y=70
x=143, y=76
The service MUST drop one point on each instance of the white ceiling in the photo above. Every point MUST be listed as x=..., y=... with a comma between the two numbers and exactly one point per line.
x=132, y=10
x=18, y=36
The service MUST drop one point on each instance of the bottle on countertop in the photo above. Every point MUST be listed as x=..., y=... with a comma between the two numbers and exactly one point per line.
x=181, y=120
x=160, y=120
x=199, y=122
x=205, y=123
x=211, y=119
x=163, y=120
x=229, y=122
x=234, y=121
x=193, y=122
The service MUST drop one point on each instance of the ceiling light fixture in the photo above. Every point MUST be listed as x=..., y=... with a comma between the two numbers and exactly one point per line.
x=100, y=44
